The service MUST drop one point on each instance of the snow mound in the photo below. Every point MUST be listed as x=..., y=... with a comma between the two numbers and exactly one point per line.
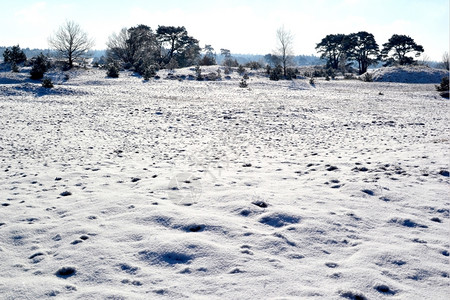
x=409, y=74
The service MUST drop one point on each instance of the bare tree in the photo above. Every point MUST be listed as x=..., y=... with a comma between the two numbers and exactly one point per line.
x=119, y=47
x=71, y=42
x=445, y=60
x=284, y=49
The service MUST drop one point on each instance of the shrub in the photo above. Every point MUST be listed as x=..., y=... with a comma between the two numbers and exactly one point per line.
x=40, y=66
x=276, y=73
x=312, y=81
x=319, y=73
x=198, y=73
x=290, y=74
x=149, y=72
x=268, y=70
x=245, y=76
x=327, y=78
x=253, y=65
x=14, y=55
x=207, y=60
x=47, y=83
x=14, y=67
x=113, y=70
x=241, y=69
x=443, y=88
x=229, y=62
x=349, y=76
x=243, y=83
x=367, y=77
x=212, y=76
x=228, y=71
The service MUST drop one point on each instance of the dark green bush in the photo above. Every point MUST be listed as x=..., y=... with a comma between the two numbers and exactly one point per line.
x=47, y=83
x=243, y=83
x=443, y=88
x=112, y=71
x=40, y=66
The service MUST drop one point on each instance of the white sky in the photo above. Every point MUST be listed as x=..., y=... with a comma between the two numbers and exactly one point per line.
x=241, y=26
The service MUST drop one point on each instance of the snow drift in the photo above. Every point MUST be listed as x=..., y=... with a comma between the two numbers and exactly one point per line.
x=409, y=74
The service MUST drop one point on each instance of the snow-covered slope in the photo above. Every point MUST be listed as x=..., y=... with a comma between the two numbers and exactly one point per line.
x=409, y=74
x=167, y=189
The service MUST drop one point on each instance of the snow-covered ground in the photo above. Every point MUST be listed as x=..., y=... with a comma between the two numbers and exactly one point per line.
x=168, y=189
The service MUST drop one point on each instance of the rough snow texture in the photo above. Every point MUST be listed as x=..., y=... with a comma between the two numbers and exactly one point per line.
x=166, y=189
x=409, y=74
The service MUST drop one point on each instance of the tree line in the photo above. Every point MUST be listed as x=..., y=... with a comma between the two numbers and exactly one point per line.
x=145, y=51
x=340, y=50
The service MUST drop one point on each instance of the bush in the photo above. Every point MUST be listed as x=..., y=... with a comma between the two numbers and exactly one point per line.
x=241, y=69
x=367, y=77
x=245, y=76
x=211, y=76
x=228, y=71
x=198, y=73
x=14, y=55
x=276, y=73
x=253, y=65
x=47, y=83
x=14, y=67
x=149, y=72
x=40, y=66
x=443, y=88
x=207, y=61
x=349, y=76
x=312, y=81
x=290, y=74
x=243, y=83
x=113, y=70
x=229, y=62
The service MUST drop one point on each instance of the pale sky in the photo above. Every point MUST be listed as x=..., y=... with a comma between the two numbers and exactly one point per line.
x=242, y=26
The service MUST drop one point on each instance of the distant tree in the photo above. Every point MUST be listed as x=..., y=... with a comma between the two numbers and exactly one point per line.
x=14, y=55
x=143, y=47
x=398, y=47
x=209, y=58
x=284, y=49
x=332, y=49
x=272, y=60
x=118, y=47
x=178, y=44
x=225, y=52
x=445, y=61
x=362, y=47
x=71, y=42
x=254, y=65
x=41, y=65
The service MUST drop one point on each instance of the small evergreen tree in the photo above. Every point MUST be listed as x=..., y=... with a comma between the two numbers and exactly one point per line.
x=243, y=83
x=14, y=55
x=241, y=69
x=40, y=66
x=47, y=83
x=14, y=67
x=443, y=88
x=276, y=73
x=113, y=70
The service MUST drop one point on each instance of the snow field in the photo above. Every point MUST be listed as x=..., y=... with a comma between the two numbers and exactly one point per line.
x=167, y=189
